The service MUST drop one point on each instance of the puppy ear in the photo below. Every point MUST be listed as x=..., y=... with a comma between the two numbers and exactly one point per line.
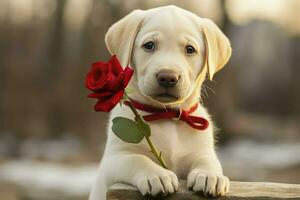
x=218, y=49
x=120, y=37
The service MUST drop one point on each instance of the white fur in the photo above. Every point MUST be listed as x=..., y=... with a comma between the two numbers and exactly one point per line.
x=188, y=152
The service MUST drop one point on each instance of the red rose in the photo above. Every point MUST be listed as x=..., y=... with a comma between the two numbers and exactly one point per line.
x=108, y=82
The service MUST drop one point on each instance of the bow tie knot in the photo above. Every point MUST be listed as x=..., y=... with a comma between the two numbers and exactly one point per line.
x=196, y=122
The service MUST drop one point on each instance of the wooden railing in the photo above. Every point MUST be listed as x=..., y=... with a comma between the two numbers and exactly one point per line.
x=238, y=190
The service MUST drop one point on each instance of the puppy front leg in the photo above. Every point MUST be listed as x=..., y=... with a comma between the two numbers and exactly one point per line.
x=141, y=172
x=206, y=176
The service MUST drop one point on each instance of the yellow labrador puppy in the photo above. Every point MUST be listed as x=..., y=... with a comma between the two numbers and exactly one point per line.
x=172, y=51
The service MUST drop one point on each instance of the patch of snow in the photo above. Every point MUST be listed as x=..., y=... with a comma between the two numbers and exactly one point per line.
x=51, y=177
x=269, y=155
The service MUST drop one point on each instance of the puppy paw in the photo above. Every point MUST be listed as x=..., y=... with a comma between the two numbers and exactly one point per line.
x=163, y=182
x=208, y=183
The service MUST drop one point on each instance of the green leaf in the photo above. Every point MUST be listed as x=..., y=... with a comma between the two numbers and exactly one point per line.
x=144, y=127
x=127, y=130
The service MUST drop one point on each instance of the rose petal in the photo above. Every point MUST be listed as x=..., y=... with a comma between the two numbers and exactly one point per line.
x=108, y=103
x=108, y=82
x=128, y=72
x=100, y=95
x=122, y=80
x=116, y=66
x=117, y=83
x=117, y=97
x=94, y=85
x=95, y=79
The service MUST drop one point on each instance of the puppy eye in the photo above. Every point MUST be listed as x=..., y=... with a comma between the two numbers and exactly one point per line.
x=149, y=46
x=190, y=49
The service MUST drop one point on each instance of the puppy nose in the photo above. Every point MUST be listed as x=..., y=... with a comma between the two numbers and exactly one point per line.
x=167, y=78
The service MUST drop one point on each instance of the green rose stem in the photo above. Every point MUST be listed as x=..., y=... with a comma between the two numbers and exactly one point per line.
x=153, y=150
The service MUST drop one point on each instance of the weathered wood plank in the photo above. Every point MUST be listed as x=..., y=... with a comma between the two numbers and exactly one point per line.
x=238, y=190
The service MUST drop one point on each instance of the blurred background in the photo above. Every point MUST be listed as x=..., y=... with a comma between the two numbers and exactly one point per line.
x=51, y=140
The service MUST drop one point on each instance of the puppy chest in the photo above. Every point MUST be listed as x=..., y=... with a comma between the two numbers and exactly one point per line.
x=177, y=140
x=165, y=137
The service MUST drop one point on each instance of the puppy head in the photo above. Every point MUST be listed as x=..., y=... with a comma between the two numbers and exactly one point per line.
x=171, y=50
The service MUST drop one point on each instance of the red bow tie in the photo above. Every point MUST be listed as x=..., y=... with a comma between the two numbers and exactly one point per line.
x=171, y=113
